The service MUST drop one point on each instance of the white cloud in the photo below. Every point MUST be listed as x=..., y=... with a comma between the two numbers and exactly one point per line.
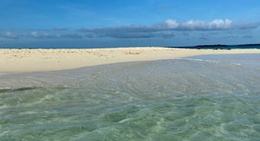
x=220, y=24
x=171, y=23
x=10, y=35
x=217, y=24
x=36, y=34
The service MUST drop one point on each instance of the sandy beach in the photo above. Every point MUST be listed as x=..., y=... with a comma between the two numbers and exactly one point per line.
x=31, y=60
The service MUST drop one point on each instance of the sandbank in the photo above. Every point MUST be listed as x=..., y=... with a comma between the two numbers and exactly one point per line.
x=32, y=60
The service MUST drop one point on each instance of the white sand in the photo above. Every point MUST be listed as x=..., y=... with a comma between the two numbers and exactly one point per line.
x=30, y=60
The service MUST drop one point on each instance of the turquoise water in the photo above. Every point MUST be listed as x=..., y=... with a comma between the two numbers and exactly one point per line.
x=200, y=98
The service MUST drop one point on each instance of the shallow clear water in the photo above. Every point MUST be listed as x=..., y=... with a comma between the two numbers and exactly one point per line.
x=199, y=98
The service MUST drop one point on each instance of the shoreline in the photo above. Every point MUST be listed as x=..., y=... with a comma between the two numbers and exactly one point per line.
x=35, y=60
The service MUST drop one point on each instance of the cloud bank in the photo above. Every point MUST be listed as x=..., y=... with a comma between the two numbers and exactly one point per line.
x=166, y=29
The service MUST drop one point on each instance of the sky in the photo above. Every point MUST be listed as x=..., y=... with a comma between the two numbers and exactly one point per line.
x=127, y=23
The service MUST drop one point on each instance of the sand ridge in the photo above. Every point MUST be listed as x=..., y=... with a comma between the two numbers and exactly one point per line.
x=31, y=60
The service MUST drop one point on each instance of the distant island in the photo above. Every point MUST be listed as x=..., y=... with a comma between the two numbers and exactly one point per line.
x=217, y=46
x=223, y=46
x=249, y=45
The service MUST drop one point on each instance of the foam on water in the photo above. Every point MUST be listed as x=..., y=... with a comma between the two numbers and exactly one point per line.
x=185, y=99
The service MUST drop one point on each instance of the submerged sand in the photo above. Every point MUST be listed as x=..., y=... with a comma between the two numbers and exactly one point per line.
x=31, y=60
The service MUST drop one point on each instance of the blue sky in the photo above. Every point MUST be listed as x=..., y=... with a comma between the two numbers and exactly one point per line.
x=102, y=23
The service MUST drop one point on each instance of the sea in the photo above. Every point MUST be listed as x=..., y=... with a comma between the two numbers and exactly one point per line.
x=210, y=97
